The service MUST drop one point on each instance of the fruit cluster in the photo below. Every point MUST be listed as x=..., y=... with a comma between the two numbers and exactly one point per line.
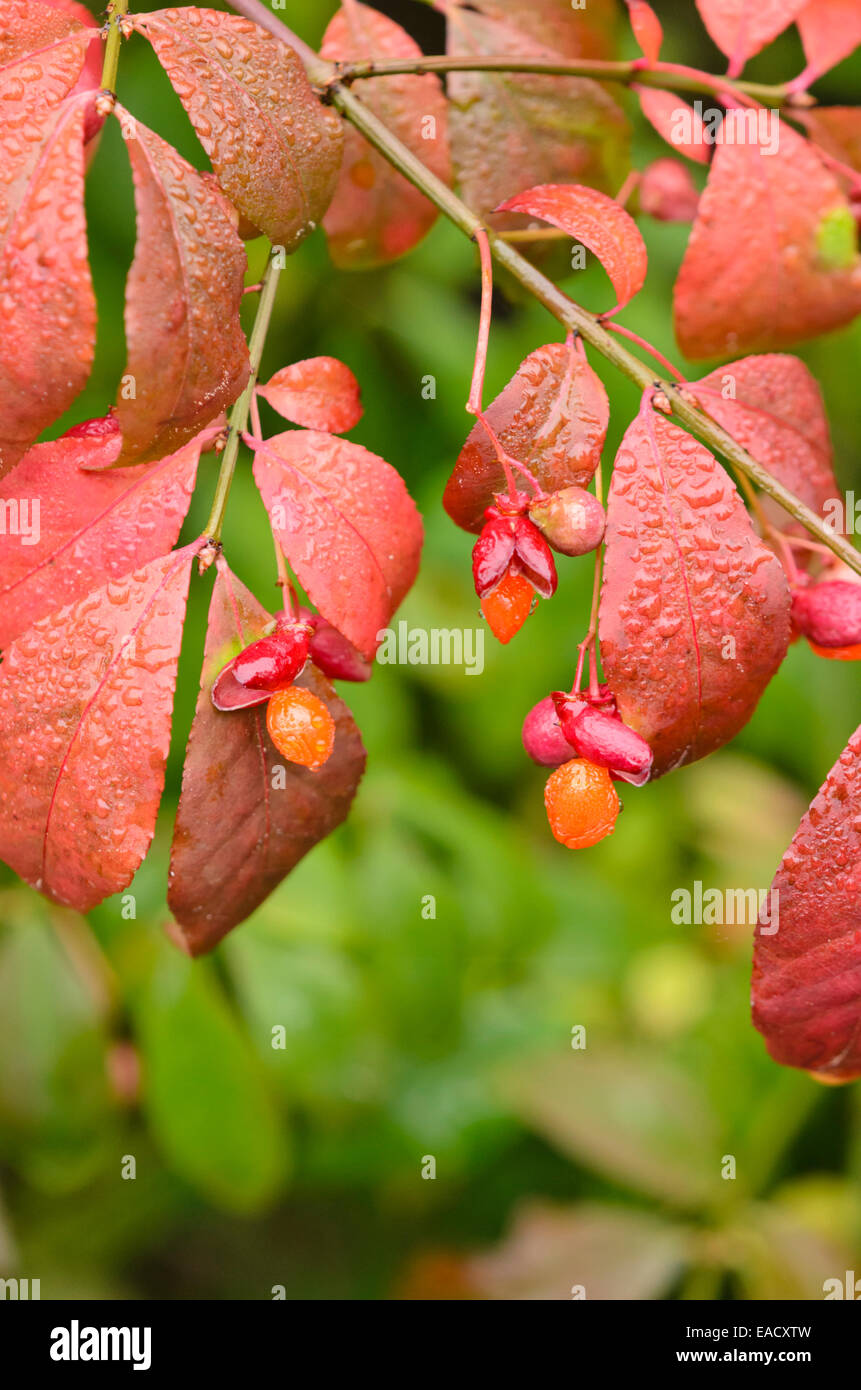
x=299, y=723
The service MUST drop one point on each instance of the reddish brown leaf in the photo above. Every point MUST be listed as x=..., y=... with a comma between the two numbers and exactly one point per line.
x=830, y=30
x=275, y=148
x=85, y=711
x=347, y=525
x=241, y=824
x=646, y=28
x=676, y=122
x=694, y=617
x=376, y=214
x=776, y=412
x=510, y=131
x=49, y=319
x=38, y=32
x=667, y=192
x=320, y=393
x=740, y=28
x=187, y=355
x=807, y=972
x=772, y=257
x=89, y=526
x=598, y=222
x=552, y=417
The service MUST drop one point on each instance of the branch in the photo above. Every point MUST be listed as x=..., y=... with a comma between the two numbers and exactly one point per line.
x=117, y=10
x=239, y=414
x=590, y=328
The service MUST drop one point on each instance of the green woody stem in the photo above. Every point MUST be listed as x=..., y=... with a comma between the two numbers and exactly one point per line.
x=118, y=9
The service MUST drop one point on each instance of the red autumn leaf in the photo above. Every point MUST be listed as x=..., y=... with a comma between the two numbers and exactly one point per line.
x=515, y=129
x=773, y=407
x=598, y=222
x=187, y=355
x=667, y=192
x=830, y=30
x=676, y=122
x=552, y=417
x=741, y=28
x=320, y=393
x=694, y=615
x=807, y=953
x=376, y=214
x=347, y=525
x=646, y=29
x=90, y=526
x=837, y=130
x=49, y=319
x=275, y=148
x=241, y=826
x=39, y=32
x=772, y=257
x=85, y=709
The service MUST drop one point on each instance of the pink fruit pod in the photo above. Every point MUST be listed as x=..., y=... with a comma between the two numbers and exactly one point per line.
x=492, y=553
x=668, y=192
x=829, y=613
x=603, y=739
x=228, y=694
x=330, y=651
x=276, y=660
x=571, y=520
x=542, y=735
x=533, y=558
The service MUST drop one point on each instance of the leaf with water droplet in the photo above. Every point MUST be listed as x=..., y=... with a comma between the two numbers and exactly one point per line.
x=675, y=121
x=275, y=149
x=86, y=697
x=807, y=949
x=740, y=28
x=187, y=355
x=46, y=293
x=753, y=275
x=598, y=222
x=347, y=525
x=246, y=816
x=85, y=527
x=320, y=393
x=773, y=407
x=830, y=30
x=552, y=417
x=694, y=614
x=515, y=129
x=376, y=215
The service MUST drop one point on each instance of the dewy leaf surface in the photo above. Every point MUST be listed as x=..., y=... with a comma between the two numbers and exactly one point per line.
x=49, y=309
x=830, y=30
x=599, y=223
x=740, y=28
x=89, y=526
x=778, y=415
x=275, y=149
x=320, y=393
x=347, y=525
x=376, y=214
x=86, y=697
x=807, y=974
x=772, y=256
x=187, y=355
x=241, y=826
x=674, y=119
x=511, y=131
x=552, y=416
x=837, y=129
x=694, y=616
x=29, y=30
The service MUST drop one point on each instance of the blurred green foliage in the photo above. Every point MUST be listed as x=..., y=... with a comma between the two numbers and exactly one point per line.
x=408, y=1037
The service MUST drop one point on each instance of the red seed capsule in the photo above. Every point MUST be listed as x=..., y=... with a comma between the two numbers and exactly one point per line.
x=603, y=739
x=542, y=735
x=492, y=553
x=572, y=521
x=533, y=557
x=829, y=613
x=276, y=660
